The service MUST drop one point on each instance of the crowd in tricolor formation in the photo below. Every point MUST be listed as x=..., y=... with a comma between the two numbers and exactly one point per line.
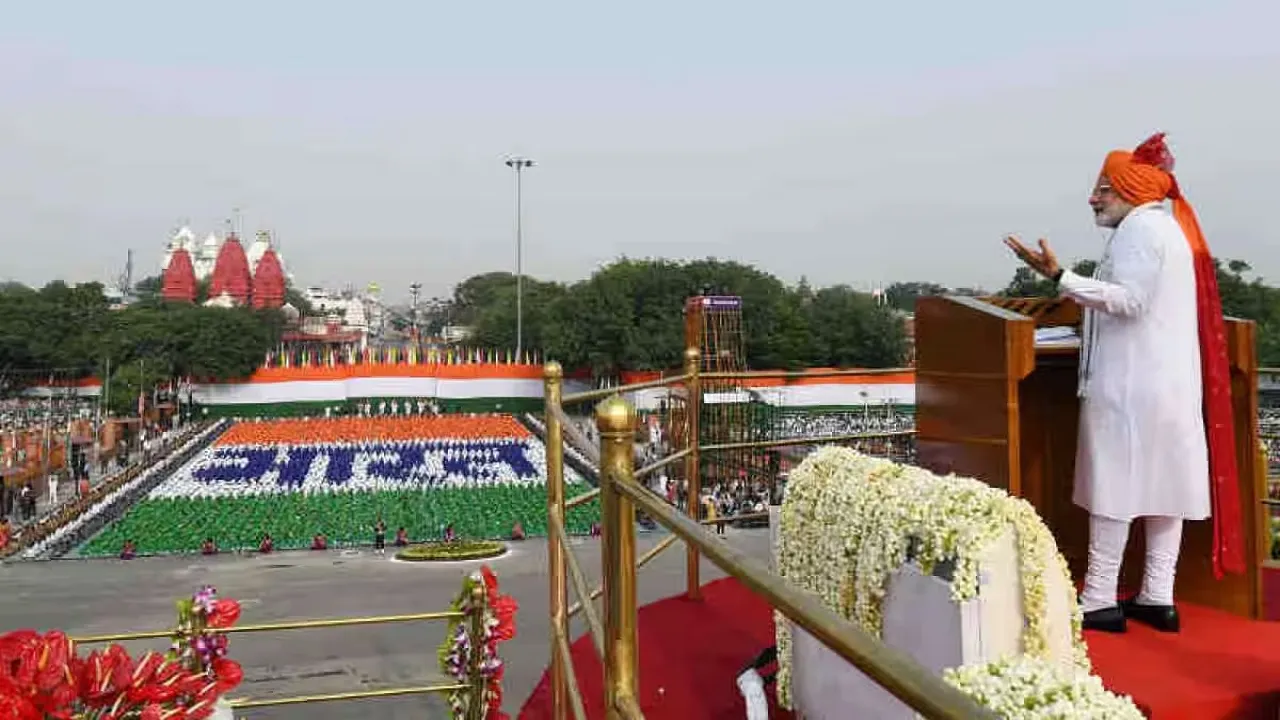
x=340, y=457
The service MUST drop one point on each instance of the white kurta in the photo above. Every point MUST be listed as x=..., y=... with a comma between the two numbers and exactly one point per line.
x=1141, y=448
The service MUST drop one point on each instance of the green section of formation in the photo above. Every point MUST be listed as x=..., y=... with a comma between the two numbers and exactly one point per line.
x=316, y=408
x=179, y=525
x=457, y=550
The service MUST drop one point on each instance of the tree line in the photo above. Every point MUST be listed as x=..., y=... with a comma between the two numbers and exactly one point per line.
x=628, y=314
x=61, y=332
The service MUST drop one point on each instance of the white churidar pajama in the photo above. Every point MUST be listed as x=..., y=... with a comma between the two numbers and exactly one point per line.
x=1141, y=450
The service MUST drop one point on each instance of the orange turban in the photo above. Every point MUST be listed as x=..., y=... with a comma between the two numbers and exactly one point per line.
x=1145, y=176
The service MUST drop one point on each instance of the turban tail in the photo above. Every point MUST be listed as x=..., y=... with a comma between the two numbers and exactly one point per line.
x=1143, y=176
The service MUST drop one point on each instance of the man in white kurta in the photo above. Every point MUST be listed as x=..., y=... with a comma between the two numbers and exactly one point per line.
x=1141, y=450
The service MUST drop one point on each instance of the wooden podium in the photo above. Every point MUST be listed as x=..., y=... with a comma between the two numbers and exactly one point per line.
x=992, y=405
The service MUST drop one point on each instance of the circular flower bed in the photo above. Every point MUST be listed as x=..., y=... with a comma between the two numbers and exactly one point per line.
x=456, y=550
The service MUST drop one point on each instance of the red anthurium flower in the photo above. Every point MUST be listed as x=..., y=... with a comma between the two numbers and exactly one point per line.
x=156, y=679
x=504, y=609
x=490, y=580
x=225, y=614
x=104, y=675
x=45, y=672
x=12, y=647
x=199, y=710
x=16, y=707
x=228, y=674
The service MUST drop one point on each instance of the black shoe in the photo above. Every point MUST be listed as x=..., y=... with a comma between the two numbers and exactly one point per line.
x=1106, y=620
x=1161, y=617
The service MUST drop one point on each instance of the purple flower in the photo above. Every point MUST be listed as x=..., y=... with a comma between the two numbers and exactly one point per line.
x=205, y=599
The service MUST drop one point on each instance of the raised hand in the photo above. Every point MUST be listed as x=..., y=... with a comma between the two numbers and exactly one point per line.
x=1042, y=261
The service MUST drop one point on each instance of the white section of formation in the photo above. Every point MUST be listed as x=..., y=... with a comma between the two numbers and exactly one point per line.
x=371, y=468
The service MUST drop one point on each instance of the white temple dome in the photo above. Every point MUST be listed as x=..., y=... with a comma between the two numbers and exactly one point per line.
x=204, y=255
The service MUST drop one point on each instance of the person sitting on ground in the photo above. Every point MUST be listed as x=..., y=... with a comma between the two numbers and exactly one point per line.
x=319, y=542
x=208, y=547
x=402, y=537
x=129, y=551
x=267, y=544
x=517, y=531
x=449, y=534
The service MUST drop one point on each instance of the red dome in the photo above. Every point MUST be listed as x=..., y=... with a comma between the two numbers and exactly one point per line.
x=231, y=272
x=179, y=278
x=268, y=281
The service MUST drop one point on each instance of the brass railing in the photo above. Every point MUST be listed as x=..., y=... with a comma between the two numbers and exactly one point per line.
x=475, y=682
x=620, y=494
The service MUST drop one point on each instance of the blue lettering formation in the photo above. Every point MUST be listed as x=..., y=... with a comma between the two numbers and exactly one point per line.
x=426, y=463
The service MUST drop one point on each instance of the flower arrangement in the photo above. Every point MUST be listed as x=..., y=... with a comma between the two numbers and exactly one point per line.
x=42, y=677
x=1028, y=688
x=448, y=551
x=850, y=521
x=490, y=615
x=200, y=642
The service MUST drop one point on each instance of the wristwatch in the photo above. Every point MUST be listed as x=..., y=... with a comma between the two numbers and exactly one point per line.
x=1057, y=277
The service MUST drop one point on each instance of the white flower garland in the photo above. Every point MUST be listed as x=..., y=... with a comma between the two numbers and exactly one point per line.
x=1028, y=688
x=849, y=521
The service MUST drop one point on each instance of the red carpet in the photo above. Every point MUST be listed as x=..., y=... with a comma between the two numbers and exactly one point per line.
x=1220, y=666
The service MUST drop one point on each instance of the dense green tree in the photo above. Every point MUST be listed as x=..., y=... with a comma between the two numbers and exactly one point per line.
x=629, y=316
x=476, y=293
x=65, y=332
x=850, y=329
x=1252, y=299
x=493, y=325
x=903, y=295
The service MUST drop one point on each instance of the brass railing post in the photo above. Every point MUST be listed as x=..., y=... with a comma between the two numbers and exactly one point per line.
x=553, y=389
x=476, y=709
x=616, y=420
x=692, y=464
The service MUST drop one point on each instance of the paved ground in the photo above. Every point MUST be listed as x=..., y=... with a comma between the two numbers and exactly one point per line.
x=102, y=596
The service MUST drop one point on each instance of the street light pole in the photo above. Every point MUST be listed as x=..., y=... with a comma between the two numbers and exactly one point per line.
x=414, y=290
x=519, y=164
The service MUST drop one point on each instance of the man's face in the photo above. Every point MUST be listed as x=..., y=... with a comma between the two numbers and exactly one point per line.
x=1108, y=207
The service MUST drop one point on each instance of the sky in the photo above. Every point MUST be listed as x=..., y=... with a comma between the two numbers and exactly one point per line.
x=858, y=143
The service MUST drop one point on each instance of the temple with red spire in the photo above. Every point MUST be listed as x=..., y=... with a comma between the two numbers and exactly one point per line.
x=268, y=276
x=179, y=277
x=231, y=282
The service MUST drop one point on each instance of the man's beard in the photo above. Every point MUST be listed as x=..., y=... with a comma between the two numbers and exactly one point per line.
x=1107, y=218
